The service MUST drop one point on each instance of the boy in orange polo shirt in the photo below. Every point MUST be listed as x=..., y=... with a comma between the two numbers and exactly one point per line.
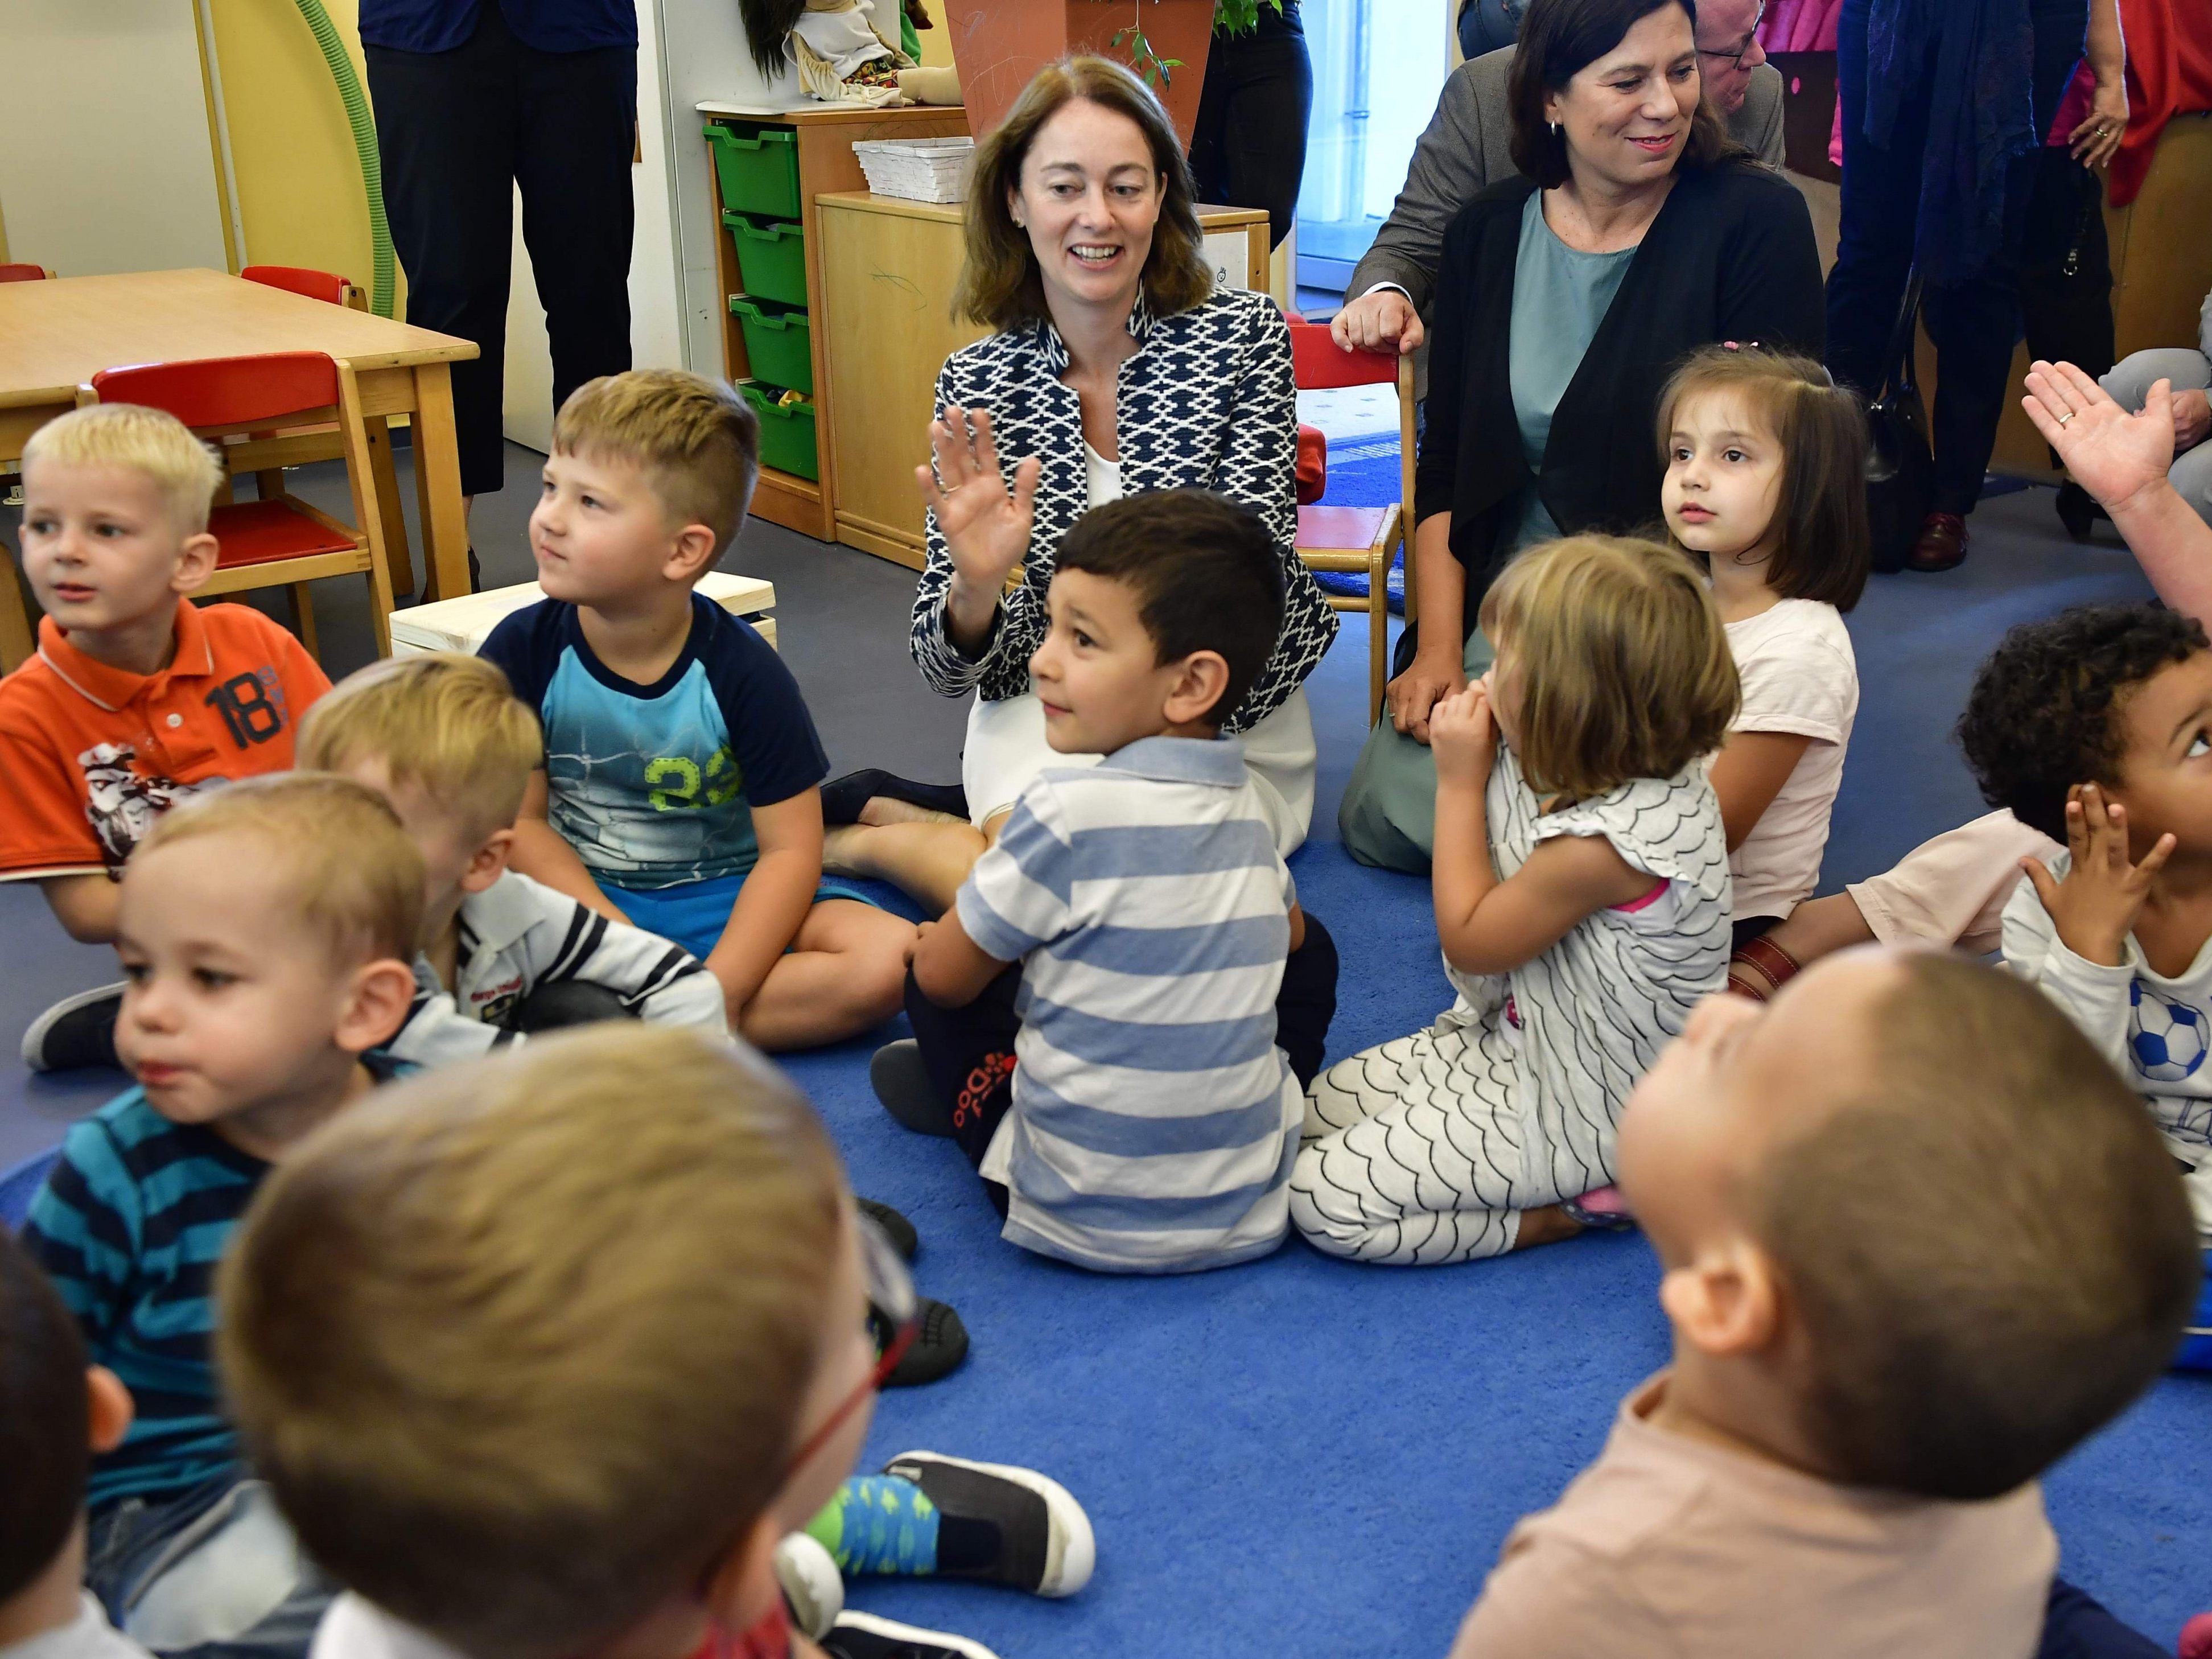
x=136, y=698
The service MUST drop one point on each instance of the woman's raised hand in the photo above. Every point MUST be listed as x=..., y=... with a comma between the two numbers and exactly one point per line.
x=986, y=530
x=2112, y=453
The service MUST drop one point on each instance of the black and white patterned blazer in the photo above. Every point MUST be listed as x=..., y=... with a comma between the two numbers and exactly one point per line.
x=1208, y=401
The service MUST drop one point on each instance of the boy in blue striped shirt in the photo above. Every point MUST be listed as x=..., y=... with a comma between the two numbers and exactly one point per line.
x=1117, y=1018
x=266, y=935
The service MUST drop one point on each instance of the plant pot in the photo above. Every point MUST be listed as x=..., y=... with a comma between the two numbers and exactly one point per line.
x=1000, y=44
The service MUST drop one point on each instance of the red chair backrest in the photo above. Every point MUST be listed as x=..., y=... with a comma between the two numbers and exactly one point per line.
x=22, y=273
x=1318, y=363
x=227, y=391
x=298, y=279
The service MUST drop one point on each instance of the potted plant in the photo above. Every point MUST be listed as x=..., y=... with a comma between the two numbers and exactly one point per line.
x=1000, y=44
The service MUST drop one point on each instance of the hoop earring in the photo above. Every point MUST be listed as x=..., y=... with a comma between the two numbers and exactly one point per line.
x=1555, y=129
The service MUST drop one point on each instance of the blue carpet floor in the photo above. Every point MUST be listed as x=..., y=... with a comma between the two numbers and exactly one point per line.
x=1301, y=1457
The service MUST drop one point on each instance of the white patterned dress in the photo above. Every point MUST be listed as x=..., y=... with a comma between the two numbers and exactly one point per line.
x=1425, y=1149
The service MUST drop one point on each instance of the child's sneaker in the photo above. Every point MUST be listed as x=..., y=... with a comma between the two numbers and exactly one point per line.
x=76, y=1032
x=895, y=1227
x=864, y=1636
x=901, y=1084
x=812, y=1587
x=939, y=1347
x=932, y=1516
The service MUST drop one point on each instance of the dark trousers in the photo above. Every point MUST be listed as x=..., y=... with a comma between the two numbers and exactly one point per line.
x=1248, y=148
x=970, y=1052
x=2066, y=267
x=2076, y=1627
x=460, y=130
x=1974, y=323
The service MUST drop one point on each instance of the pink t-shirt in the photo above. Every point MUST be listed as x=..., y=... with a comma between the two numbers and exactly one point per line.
x=1668, y=1546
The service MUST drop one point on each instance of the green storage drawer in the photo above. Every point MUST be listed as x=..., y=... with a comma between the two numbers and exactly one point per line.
x=758, y=168
x=786, y=434
x=772, y=256
x=779, y=343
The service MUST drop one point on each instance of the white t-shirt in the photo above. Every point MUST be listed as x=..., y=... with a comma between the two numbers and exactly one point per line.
x=89, y=1635
x=1102, y=478
x=1799, y=677
x=357, y=1629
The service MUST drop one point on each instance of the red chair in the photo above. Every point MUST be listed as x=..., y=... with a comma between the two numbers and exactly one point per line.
x=24, y=273
x=1359, y=539
x=280, y=541
x=324, y=285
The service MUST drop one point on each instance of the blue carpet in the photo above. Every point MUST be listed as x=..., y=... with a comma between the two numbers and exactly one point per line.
x=1304, y=1457
x=1365, y=481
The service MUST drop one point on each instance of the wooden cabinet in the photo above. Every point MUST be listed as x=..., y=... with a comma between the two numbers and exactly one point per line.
x=889, y=271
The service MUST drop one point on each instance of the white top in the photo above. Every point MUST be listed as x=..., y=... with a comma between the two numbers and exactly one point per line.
x=2156, y=1030
x=356, y=1629
x=1799, y=677
x=1564, y=1037
x=1102, y=478
x=845, y=40
x=88, y=1636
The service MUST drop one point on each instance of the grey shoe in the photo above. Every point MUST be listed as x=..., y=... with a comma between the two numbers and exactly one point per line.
x=76, y=1032
x=901, y=1083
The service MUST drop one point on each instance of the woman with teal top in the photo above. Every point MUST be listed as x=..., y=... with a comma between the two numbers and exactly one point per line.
x=1638, y=231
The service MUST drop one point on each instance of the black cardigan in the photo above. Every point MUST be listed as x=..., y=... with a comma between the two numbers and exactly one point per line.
x=1729, y=257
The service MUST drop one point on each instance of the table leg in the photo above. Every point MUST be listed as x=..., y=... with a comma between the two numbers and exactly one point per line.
x=387, y=504
x=17, y=640
x=438, y=485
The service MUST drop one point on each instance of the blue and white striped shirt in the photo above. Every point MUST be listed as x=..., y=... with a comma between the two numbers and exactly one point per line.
x=130, y=1226
x=1154, y=1122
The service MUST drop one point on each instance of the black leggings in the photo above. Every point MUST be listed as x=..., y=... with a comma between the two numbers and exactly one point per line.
x=1248, y=148
x=970, y=1052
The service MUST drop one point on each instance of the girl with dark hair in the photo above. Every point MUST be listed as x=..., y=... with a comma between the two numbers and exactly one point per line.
x=1638, y=231
x=1117, y=368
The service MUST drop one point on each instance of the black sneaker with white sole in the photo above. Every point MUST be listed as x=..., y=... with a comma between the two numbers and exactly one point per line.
x=865, y=1636
x=1000, y=1524
x=74, y=1033
x=895, y=1227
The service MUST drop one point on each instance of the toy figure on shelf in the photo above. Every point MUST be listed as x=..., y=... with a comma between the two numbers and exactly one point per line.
x=845, y=51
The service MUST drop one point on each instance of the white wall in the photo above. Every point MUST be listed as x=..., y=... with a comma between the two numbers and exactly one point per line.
x=106, y=163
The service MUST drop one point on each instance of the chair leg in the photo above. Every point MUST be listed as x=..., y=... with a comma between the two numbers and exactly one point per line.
x=18, y=637
x=379, y=601
x=392, y=520
x=1378, y=629
x=269, y=486
x=303, y=617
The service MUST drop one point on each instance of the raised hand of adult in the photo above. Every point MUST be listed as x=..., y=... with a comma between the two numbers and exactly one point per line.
x=1414, y=694
x=986, y=527
x=1384, y=320
x=2112, y=453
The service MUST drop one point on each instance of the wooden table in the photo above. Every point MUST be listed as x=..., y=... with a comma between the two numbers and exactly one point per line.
x=890, y=267
x=55, y=336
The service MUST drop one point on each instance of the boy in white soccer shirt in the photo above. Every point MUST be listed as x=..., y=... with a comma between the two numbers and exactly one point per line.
x=2095, y=727
x=1129, y=1088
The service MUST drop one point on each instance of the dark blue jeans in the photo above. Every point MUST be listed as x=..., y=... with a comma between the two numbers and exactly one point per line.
x=2076, y=1628
x=1974, y=323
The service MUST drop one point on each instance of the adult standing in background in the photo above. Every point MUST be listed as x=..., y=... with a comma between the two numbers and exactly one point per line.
x=1468, y=147
x=473, y=97
x=1636, y=232
x=1249, y=148
x=1945, y=108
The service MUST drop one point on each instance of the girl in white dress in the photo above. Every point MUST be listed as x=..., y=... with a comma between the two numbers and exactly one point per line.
x=1581, y=895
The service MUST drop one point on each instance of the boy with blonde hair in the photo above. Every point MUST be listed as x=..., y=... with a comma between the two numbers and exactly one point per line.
x=681, y=784
x=440, y=736
x=691, y=1285
x=136, y=698
x=265, y=933
x=1918, y=1242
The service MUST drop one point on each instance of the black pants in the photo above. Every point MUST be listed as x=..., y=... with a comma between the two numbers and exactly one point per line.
x=2066, y=267
x=970, y=1052
x=460, y=130
x=2076, y=1627
x=1249, y=150
x=1974, y=323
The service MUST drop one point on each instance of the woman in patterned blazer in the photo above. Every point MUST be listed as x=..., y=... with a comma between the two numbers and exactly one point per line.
x=1117, y=367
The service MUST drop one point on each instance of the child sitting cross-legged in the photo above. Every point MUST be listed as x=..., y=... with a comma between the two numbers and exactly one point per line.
x=680, y=789
x=1580, y=884
x=265, y=933
x=441, y=738
x=1918, y=1242
x=57, y=1409
x=137, y=697
x=1116, y=1015
x=2095, y=727
x=689, y=1285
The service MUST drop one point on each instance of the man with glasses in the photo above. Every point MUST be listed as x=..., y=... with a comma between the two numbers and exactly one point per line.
x=1465, y=150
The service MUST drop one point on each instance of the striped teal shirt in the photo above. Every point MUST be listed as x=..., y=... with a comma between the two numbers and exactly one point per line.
x=1154, y=1121
x=130, y=1226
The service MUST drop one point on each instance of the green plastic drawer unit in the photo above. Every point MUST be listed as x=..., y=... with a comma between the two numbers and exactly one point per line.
x=786, y=434
x=779, y=343
x=759, y=168
x=772, y=257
